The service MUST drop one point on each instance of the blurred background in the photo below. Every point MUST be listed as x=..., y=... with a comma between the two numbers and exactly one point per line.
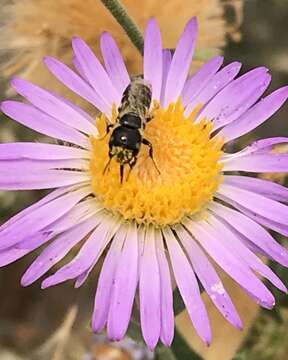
x=55, y=323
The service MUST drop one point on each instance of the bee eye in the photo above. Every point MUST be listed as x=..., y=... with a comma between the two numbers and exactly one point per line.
x=123, y=139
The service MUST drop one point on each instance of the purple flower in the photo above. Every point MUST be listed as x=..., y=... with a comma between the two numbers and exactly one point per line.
x=192, y=209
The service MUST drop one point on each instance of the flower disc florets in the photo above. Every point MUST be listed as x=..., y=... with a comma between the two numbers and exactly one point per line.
x=188, y=161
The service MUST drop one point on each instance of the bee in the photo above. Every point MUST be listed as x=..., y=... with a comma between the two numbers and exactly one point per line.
x=128, y=132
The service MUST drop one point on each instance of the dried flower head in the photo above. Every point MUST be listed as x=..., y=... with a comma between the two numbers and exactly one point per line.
x=36, y=28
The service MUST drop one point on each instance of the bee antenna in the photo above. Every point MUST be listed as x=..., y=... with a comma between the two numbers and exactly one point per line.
x=108, y=127
x=107, y=165
x=147, y=142
x=131, y=166
x=156, y=167
x=128, y=175
x=121, y=173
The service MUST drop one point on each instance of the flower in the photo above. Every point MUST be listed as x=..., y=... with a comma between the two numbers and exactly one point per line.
x=196, y=207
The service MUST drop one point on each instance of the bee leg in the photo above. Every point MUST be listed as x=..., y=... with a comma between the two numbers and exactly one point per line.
x=149, y=118
x=108, y=127
x=151, y=113
x=131, y=165
x=147, y=142
x=121, y=172
x=108, y=163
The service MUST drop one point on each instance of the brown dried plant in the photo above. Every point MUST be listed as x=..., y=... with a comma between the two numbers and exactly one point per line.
x=32, y=29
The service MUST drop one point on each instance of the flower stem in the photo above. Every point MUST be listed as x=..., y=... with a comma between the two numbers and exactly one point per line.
x=181, y=349
x=120, y=14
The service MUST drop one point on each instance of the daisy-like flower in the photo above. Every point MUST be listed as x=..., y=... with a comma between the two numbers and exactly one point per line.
x=200, y=206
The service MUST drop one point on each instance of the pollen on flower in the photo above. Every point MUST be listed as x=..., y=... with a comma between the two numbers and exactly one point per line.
x=188, y=160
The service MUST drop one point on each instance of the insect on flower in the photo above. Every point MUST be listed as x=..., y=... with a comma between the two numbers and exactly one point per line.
x=128, y=133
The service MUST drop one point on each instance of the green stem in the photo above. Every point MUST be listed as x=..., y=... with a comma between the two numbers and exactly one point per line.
x=163, y=353
x=178, y=303
x=182, y=350
x=120, y=14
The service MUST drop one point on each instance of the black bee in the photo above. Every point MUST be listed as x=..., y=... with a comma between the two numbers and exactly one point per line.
x=128, y=132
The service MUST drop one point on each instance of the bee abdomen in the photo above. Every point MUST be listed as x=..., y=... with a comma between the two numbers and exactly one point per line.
x=136, y=98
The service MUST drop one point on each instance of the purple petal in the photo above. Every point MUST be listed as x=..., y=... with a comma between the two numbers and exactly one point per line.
x=88, y=255
x=54, y=229
x=181, y=62
x=74, y=82
x=209, y=278
x=105, y=282
x=280, y=228
x=38, y=151
x=153, y=58
x=166, y=296
x=79, y=213
x=262, y=146
x=17, y=251
x=149, y=291
x=80, y=71
x=54, y=106
x=82, y=113
x=42, y=216
x=259, y=163
x=263, y=187
x=84, y=275
x=81, y=279
x=35, y=119
x=201, y=79
x=188, y=287
x=209, y=239
x=237, y=97
x=21, y=166
x=256, y=115
x=114, y=63
x=41, y=179
x=215, y=85
x=254, y=202
x=124, y=287
x=8, y=225
x=26, y=212
x=166, y=62
x=57, y=250
x=95, y=73
x=250, y=245
x=231, y=241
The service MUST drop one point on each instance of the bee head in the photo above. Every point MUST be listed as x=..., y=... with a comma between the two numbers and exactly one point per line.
x=124, y=146
x=125, y=138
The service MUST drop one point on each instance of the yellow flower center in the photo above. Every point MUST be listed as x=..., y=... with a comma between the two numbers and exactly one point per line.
x=186, y=156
